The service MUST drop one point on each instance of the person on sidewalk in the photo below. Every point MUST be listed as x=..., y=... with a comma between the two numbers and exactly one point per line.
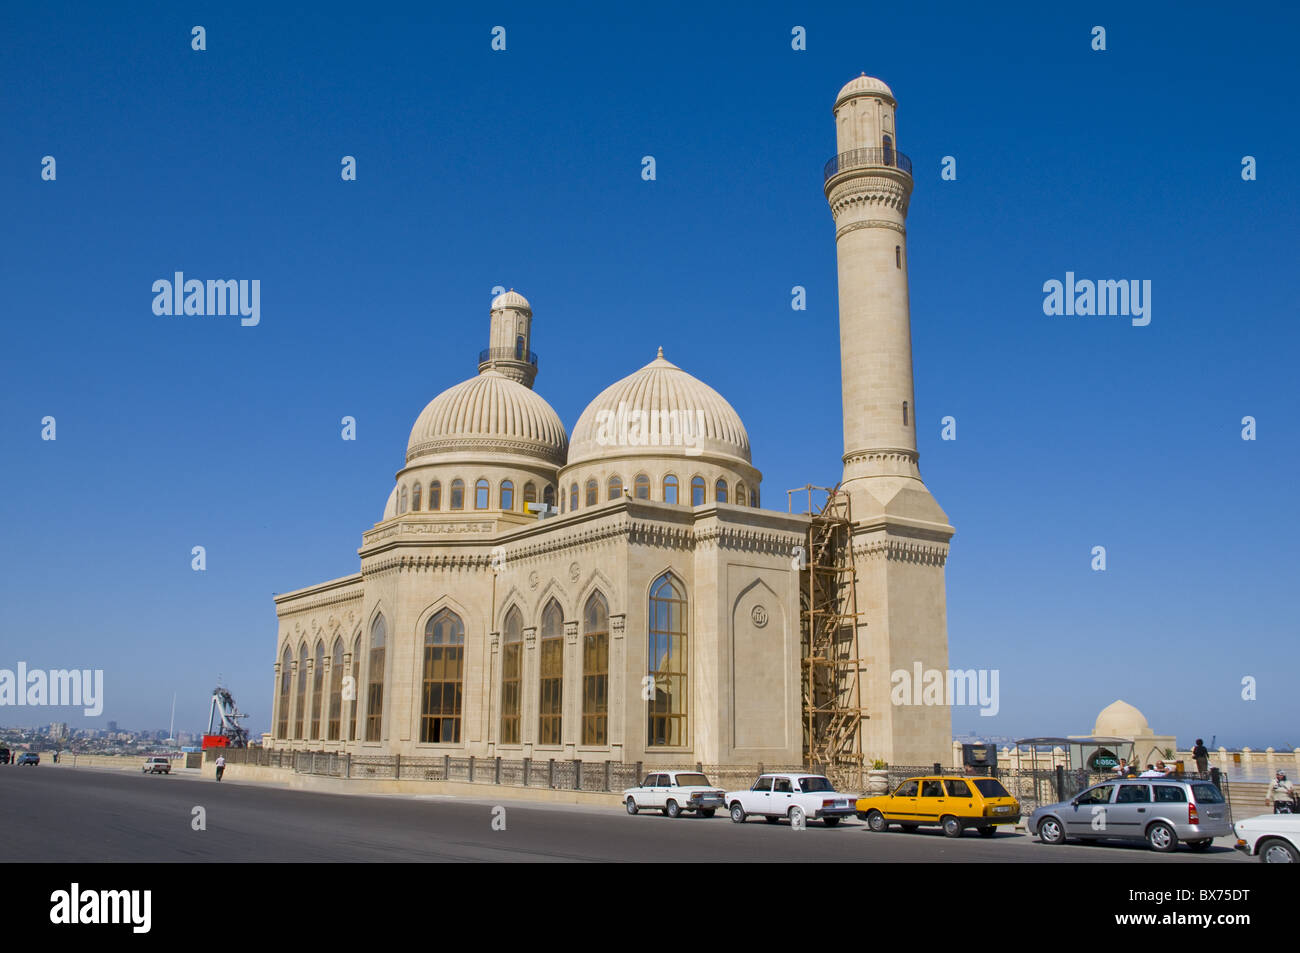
x=1201, y=755
x=1280, y=794
x=221, y=766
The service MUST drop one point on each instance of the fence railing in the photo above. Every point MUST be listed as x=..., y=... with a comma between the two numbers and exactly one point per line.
x=867, y=157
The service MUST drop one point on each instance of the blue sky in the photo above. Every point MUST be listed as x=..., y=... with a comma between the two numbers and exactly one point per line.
x=522, y=169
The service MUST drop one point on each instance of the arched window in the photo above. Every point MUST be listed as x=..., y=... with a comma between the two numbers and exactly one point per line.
x=401, y=506
x=720, y=491
x=301, y=706
x=415, y=499
x=667, y=658
x=512, y=647
x=548, y=495
x=354, y=733
x=375, y=695
x=904, y=413
x=697, y=491
x=444, y=667
x=481, y=495
x=573, y=497
x=670, y=489
x=615, y=490
x=457, y=494
x=888, y=143
x=593, y=493
x=435, y=495
x=550, y=706
x=641, y=487
x=286, y=680
x=898, y=256
x=317, y=691
x=507, y=495
x=530, y=494
x=519, y=348
x=753, y=498
x=740, y=493
x=334, y=722
x=595, y=671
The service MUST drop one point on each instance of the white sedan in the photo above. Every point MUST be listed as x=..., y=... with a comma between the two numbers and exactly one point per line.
x=673, y=792
x=796, y=796
x=1275, y=838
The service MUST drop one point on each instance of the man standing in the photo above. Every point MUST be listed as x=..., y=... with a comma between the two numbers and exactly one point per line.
x=221, y=766
x=1280, y=794
x=1201, y=755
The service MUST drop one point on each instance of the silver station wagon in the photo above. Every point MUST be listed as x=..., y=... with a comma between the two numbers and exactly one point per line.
x=1161, y=811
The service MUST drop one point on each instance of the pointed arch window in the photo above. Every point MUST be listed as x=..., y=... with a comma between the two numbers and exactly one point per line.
x=641, y=487
x=593, y=493
x=595, y=671
x=301, y=705
x=444, y=670
x=415, y=498
x=530, y=494
x=670, y=489
x=615, y=490
x=888, y=143
x=458, y=494
x=481, y=495
x=512, y=648
x=667, y=663
x=720, y=491
x=375, y=690
x=435, y=495
x=740, y=493
x=317, y=691
x=550, y=706
x=697, y=491
x=507, y=495
x=573, y=497
x=334, y=721
x=354, y=732
x=286, y=681
x=401, y=506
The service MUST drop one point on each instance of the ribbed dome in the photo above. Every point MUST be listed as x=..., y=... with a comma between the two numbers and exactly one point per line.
x=492, y=413
x=511, y=299
x=862, y=84
x=686, y=415
x=1119, y=719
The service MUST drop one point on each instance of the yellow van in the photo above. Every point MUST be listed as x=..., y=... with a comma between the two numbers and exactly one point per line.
x=951, y=803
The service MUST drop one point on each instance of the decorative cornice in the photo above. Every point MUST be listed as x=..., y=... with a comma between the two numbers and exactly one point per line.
x=856, y=192
x=330, y=600
x=870, y=223
x=902, y=550
x=489, y=445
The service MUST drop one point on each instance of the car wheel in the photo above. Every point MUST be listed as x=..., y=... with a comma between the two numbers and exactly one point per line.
x=631, y=805
x=707, y=811
x=876, y=821
x=1200, y=845
x=1051, y=831
x=672, y=809
x=987, y=831
x=797, y=817
x=830, y=821
x=1161, y=837
x=952, y=827
x=1277, y=851
x=737, y=812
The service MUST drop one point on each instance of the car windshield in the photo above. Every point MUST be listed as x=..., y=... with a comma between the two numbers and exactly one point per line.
x=990, y=787
x=1207, y=793
x=692, y=780
x=810, y=785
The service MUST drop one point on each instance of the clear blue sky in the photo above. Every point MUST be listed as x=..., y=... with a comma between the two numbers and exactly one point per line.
x=522, y=169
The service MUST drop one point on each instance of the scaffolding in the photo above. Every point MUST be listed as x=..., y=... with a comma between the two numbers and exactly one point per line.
x=829, y=622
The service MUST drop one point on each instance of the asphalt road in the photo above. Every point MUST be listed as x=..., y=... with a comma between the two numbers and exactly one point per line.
x=77, y=815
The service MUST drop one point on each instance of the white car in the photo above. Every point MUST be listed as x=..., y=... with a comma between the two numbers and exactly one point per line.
x=157, y=766
x=796, y=796
x=1275, y=838
x=673, y=792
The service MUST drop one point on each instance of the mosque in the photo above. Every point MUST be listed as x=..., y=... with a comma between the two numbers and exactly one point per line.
x=620, y=592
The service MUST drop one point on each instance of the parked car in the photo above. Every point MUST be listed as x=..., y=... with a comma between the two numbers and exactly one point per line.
x=1161, y=811
x=796, y=796
x=157, y=766
x=954, y=804
x=29, y=757
x=4, y=755
x=1273, y=838
x=673, y=792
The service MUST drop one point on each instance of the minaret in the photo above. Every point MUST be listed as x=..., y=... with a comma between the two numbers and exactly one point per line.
x=900, y=536
x=509, y=339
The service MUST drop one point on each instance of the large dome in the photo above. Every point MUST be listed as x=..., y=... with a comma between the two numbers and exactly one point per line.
x=659, y=410
x=1119, y=719
x=862, y=86
x=491, y=413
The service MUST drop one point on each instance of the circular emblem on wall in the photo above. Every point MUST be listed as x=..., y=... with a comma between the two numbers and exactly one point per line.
x=574, y=572
x=533, y=580
x=759, y=615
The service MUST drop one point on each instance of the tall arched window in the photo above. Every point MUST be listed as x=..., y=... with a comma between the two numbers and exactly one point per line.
x=415, y=498
x=720, y=491
x=457, y=494
x=904, y=413
x=740, y=493
x=286, y=680
x=507, y=495
x=753, y=498
x=888, y=143
x=401, y=506
x=548, y=495
x=317, y=691
x=593, y=493
x=301, y=706
x=615, y=488
x=595, y=671
x=481, y=495
x=334, y=722
x=519, y=348
x=670, y=489
x=550, y=706
x=697, y=491
x=435, y=495
x=444, y=666
x=667, y=660
x=512, y=649
x=530, y=494
x=354, y=733
x=375, y=694
x=641, y=487
x=573, y=497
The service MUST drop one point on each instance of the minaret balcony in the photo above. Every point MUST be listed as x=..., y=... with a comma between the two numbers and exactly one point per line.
x=490, y=354
x=874, y=157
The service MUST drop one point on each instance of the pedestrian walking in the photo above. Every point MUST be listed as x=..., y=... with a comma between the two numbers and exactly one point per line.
x=221, y=766
x=1201, y=755
x=1280, y=794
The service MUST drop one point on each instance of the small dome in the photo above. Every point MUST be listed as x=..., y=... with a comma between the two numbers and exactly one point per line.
x=656, y=411
x=511, y=299
x=860, y=85
x=492, y=413
x=1119, y=719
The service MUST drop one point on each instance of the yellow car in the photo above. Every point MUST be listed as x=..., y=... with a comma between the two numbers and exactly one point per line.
x=951, y=803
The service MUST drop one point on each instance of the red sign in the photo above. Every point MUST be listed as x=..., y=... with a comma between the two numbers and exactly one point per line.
x=215, y=741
